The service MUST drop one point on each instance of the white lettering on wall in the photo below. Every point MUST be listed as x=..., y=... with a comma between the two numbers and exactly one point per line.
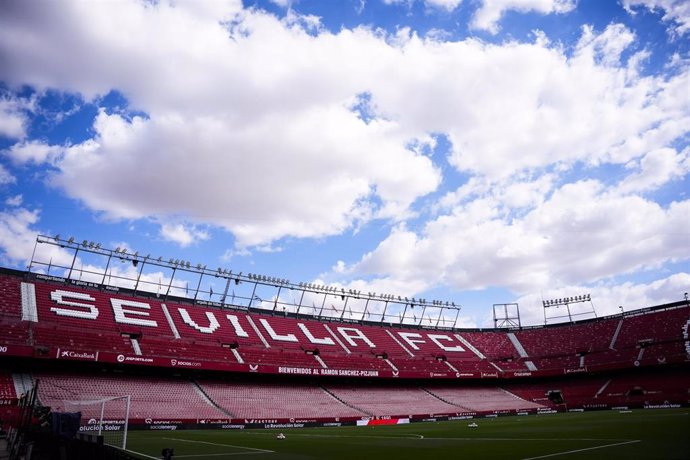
x=121, y=312
x=239, y=332
x=212, y=321
x=412, y=338
x=350, y=334
x=274, y=336
x=312, y=339
x=436, y=338
x=59, y=298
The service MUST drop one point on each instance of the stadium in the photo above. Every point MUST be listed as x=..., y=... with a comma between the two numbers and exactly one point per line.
x=96, y=361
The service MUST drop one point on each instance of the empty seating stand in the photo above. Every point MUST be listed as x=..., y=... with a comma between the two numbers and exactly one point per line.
x=104, y=320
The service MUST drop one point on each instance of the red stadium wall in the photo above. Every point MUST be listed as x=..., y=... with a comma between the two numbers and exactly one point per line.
x=69, y=320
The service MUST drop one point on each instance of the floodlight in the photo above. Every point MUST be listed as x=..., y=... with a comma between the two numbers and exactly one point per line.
x=57, y=237
x=71, y=240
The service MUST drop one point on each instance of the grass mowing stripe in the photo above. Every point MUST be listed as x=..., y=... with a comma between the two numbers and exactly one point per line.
x=583, y=450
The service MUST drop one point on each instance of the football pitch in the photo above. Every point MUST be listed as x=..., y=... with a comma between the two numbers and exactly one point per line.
x=639, y=434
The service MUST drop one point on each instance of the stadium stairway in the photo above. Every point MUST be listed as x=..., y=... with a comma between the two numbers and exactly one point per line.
x=210, y=401
x=332, y=395
x=441, y=399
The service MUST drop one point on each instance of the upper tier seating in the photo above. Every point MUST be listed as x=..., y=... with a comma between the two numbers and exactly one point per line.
x=90, y=320
x=10, y=297
x=561, y=346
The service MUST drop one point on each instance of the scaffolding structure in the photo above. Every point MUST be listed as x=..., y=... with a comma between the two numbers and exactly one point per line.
x=88, y=263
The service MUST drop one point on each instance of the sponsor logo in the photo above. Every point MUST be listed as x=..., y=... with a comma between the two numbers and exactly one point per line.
x=78, y=355
x=253, y=367
x=148, y=421
x=437, y=374
x=3, y=349
x=250, y=421
x=662, y=406
x=284, y=425
x=105, y=427
x=163, y=427
x=92, y=421
x=332, y=424
x=576, y=370
x=546, y=411
x=522, y=374
x=136, y=359
x=176, y=362
x=228, y=426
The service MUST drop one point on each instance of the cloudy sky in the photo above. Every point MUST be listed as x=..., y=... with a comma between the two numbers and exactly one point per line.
x=474, y=151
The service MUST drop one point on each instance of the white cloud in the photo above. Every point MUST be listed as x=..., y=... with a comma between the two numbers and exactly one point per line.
x=32, y=152
x=14, y=200
x=656, y=168
x=182, y=235
x=490, y=12
x=448, y=5
x=16, y=236
x=248, y=122
x=282, y=3
x=18, y=240
x=6, y=177
x=607, y=298
x=13, y=119
x=581, y=234
x=676, y=12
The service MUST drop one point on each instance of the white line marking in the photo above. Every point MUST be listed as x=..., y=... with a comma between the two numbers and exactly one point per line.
x=218, y=455
x=583, y=450
x=223, y=445
x=419, y=436
x=143, y=455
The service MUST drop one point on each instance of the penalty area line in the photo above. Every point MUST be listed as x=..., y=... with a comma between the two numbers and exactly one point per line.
x=264, y=451
x=567, y=452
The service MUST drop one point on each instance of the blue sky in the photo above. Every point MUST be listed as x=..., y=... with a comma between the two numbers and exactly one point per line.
x=474, y=151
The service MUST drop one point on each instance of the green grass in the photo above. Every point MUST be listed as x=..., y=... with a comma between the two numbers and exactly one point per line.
x=641, y=434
